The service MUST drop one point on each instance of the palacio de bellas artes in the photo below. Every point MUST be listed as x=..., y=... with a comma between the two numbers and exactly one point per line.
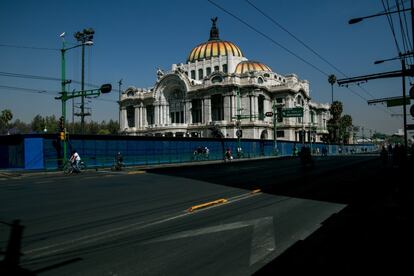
x=219, y=93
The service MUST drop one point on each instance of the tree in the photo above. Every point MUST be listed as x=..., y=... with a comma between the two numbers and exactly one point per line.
x=336, y=110
x=5, y=117
x=38, y=124
x=332, y=81
x=345, y=128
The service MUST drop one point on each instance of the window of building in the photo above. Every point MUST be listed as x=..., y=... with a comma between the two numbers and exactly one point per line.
x=260, y=104
x=279, y=115
x=196, y=106
x=216, y=68
x=216, y=79
x=193, y=74
x=130, y=116
x=176, y=106
x=259, y=80
x=208, y=71
x=217, y=107
x=266, y=75
x=200, y=74
x=225, y=68
x=279, y=100
x=280, y=133
x=312, y=117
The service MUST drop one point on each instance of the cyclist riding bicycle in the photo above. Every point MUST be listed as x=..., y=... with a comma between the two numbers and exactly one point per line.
x=75, y=161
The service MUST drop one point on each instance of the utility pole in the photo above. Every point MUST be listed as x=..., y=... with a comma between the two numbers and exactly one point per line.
x=85, y=38
x=119, y=103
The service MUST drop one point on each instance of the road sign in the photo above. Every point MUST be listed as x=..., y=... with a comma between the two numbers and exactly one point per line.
x=397, y=102
x=269, y=114
x=292, y=112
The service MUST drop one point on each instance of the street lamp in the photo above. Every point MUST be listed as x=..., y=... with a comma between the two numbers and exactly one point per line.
x=85, y=38
x=359, y=19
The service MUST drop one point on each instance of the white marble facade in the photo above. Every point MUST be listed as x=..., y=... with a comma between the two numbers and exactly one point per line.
x=218, y=91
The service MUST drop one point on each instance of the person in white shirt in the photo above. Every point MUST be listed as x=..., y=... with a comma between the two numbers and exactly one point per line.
x=75, y=160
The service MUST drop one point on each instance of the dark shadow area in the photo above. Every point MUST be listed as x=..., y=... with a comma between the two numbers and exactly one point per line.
x=10, y=265
x=371, y=234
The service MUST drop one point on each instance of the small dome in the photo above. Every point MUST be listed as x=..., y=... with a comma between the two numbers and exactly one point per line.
x=251, y=66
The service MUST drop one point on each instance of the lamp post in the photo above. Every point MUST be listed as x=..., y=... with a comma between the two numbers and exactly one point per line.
x=119, y=102
x=332, y=81
x=85, y=38
x=64, y=94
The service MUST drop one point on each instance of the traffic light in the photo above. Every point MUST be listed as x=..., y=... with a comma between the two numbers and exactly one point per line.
x=106, y=88
x=61, y=124
x=62, y=136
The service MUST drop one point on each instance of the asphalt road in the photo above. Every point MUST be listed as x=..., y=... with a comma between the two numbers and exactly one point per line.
x=137, y=222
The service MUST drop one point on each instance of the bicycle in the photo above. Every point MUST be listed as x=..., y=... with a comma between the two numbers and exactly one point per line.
x=69, y=168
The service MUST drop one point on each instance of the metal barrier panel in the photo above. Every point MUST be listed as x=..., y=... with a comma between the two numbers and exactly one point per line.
x=33, y=153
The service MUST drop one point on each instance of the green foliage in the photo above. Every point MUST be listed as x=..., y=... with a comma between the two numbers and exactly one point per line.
x=5, y=117
x=51, y=124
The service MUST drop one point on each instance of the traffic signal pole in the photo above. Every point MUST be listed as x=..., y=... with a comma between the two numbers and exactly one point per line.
x=275, y=151
x=64, y=95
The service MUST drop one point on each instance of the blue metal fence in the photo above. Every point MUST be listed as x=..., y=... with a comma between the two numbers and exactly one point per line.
x=99, y=151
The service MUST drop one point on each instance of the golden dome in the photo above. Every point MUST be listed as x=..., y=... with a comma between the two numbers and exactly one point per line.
x=214, y=48
x=249, y=65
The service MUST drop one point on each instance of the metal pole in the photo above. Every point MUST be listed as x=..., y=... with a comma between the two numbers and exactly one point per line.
x=119, y=102
x=331, y=93
x=82, y=89
x=64, y=95
x=275, y=151
x=404, y=105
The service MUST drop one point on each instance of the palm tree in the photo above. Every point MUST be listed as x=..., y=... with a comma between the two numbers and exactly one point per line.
x=332, y=81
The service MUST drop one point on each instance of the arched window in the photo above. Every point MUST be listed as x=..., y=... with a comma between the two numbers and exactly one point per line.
x=225, y=68
x=200, y=74
x=259, y=80
x=208, y=71
x=261, y=107
x=176, y=106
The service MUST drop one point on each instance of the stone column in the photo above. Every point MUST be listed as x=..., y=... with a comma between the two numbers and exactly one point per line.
x=207, y=110
x=167, y=115
x=227, y=108
x=157, y=114
x=188, y=118
x=136, y=116
x=144, y=116
x=123, y=124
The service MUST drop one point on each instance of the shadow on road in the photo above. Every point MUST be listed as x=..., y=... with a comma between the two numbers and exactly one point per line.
x=371, y=234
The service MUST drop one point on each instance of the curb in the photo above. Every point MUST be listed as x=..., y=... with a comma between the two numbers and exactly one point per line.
x=208, y=204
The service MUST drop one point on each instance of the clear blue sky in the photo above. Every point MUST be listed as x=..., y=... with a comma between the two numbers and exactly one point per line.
x=133, y=38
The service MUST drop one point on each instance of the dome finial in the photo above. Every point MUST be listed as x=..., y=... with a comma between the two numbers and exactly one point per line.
x=214, y=32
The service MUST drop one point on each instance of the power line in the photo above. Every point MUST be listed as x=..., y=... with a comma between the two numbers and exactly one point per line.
x=45, y=92
x=284, y=48
x=29, y=47
x=304, y=44
x=26, y=76
x=269, y=38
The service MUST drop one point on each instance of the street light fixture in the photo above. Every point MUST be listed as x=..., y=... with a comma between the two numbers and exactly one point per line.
x=359, y=19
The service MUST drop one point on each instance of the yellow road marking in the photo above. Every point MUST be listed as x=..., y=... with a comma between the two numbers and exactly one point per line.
x=208, y=204
x=137, y=172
